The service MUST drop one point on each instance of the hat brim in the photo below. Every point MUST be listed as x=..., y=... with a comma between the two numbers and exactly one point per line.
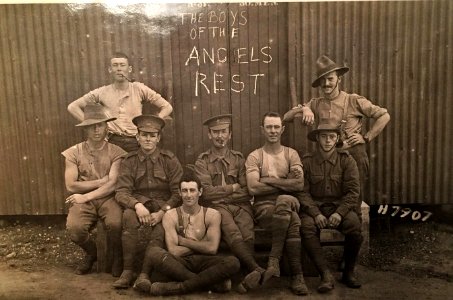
x=148, y=129
x=93, y=121
x=340, y=70
x=312, y=136
x=136, y=120
x=219, y=127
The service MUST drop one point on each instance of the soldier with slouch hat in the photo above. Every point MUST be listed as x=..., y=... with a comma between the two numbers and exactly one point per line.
x=91, y=172
x=330, y=196
x=345, y=110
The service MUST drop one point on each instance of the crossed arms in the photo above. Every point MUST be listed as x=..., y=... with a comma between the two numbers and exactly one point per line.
x=181, y=246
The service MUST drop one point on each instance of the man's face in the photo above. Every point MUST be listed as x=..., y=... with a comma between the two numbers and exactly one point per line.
x=329, y=83
x=96, y=132
x=148, y=141
x=190, y=193
x=119, y=67
x=327, y=140
x=272, y=129
x=219, y=138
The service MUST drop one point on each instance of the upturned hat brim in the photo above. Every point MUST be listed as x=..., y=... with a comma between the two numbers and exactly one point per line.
x=340, y=71
x=89, y=122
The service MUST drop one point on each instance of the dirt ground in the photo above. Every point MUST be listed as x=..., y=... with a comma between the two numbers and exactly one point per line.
x=407, y=260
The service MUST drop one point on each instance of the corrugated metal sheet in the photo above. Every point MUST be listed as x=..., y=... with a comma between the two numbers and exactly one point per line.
x=247, y=75
x=50, y=56
x=399, y=53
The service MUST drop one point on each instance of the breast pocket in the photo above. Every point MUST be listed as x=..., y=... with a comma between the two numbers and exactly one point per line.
x=336, y=182
x=233, y=173
x=160, y=173
x=316, y=180
x=140, y=174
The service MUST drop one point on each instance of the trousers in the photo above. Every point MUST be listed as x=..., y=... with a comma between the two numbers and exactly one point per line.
x=195, y=271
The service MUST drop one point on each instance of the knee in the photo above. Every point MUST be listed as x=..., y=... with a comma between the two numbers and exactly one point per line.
x=232, y=262
x=157, y=255
x=130, y=220
x=231, y=235
x=283, y=204
x=114, y=225
x=308, y=227
x=351, y=224
x=78, y=233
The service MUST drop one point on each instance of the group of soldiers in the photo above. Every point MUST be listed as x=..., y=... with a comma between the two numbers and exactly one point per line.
x=121, y=175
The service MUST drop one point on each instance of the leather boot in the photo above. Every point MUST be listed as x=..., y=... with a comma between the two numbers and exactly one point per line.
x=327, y=282
x=298, y=286
x=166, y=288
x=273, y=269
x=251, y=281
x=142, y=284
x=125, y=280
x=88, y=260
x=293, y=251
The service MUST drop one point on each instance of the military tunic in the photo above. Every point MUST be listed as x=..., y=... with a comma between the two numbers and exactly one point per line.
x=332, y=181
x=217, y=176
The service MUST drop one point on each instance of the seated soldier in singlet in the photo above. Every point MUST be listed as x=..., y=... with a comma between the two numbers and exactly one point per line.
x=192, y=237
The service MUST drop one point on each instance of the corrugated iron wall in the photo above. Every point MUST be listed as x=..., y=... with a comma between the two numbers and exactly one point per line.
x=400, y=55
x=50, y=56
x=228, y=58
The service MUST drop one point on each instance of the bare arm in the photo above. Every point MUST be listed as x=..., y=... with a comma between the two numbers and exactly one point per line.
x=304, y=111
x=104, y=190
x=109, y=187
x=257, y=187
x=171, y=236
x=378, y=126
x=210, y=242
x=75, y=108
x=287, y=185
x=155, y=99
x=73, y=186
x=166, y=110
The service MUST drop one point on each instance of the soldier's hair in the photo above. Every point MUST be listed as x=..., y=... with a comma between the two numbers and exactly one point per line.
x=189, y=175
x=120, y=55
x=272, y=114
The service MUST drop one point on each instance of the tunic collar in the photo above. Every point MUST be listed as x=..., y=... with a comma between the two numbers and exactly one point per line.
x=143, y=156
x=319, y=159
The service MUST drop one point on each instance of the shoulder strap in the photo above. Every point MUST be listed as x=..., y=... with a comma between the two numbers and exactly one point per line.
x=261, y=160
x=346, y=107
x=287, y=158
x=205, y=209
x=180, y=222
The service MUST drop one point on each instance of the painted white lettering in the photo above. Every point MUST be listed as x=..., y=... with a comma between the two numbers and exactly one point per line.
x=256, y=81
x=217, y=82
x=193, y=55
x=240, y=83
